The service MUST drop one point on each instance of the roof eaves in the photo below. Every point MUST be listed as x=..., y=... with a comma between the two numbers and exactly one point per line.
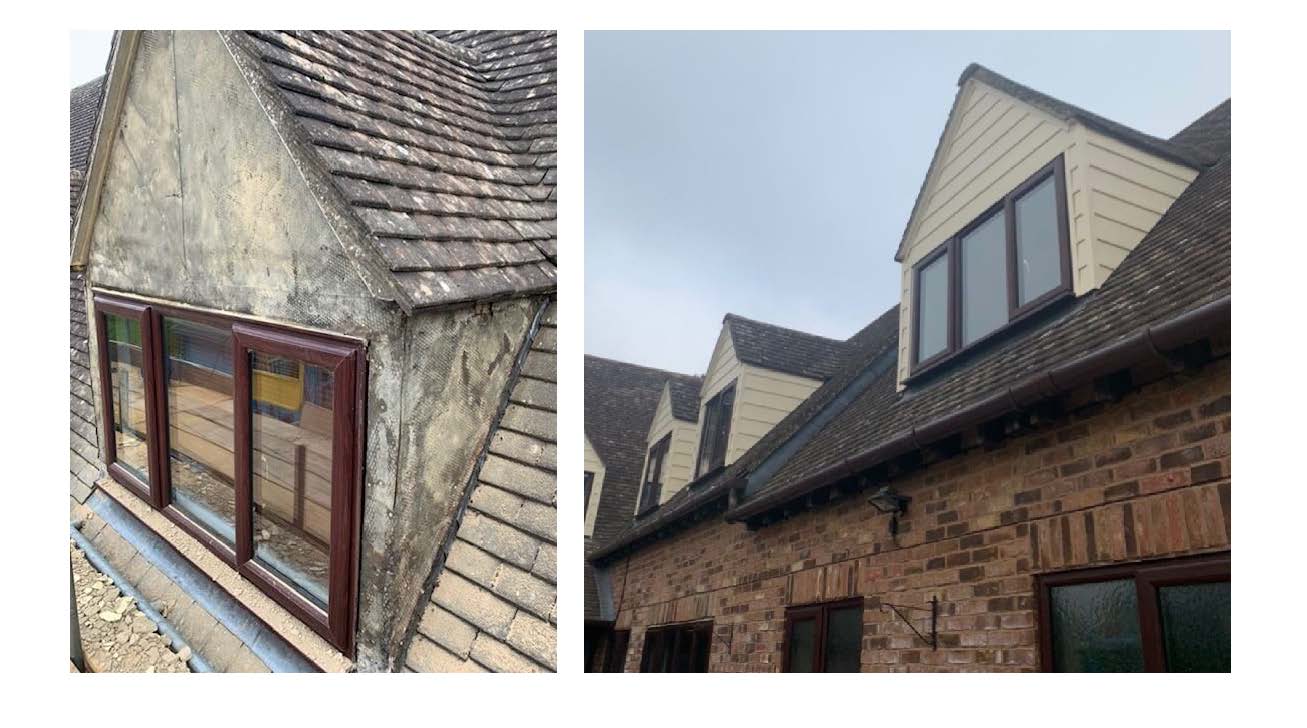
x=1150, y=342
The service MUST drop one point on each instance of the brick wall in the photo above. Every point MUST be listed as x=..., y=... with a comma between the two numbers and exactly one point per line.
x=1146, y=477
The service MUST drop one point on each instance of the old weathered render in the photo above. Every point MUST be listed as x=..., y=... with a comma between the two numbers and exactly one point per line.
x=320, y=269
x=1023, y=465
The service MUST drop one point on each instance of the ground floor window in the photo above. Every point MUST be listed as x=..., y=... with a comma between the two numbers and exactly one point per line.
x=1157, y=616
x=615, y=658
x=248, y=436
x=677, y=648
x=824, y=637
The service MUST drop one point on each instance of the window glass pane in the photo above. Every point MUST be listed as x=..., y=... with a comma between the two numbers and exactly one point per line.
x=1096, y=628
x=291, y=429
x=127, y=388
x=202, y=466
x=1039, y=257
x=984, y=278
x=1196, y=627
x=932, y=319
x=803, y=643
x=844, y=640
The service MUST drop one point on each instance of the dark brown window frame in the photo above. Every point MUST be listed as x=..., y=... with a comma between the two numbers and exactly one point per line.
x=348, y=361
x=821, y=612
x=1148, y=576
x=953, y=248
x=589, y=483
x=720, y=438
x=700, y=633
x=651, y=489
x=619, y=641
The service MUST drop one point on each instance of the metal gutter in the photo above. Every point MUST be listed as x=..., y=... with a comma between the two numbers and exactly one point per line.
x=197, y=663
x=1147, y=343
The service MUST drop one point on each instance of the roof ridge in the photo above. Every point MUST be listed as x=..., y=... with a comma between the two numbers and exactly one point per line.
x=737, y=317
x=644, y=367
x=1157, y=145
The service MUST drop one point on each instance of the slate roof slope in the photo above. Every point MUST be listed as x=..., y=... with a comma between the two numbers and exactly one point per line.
x=84, y=110
x=620, y=400
x=1181, y=264
x=784, y=350
x=1187, y=153
x=877, y=339
x=442, y=143
x=684, y=392
x=494, y=605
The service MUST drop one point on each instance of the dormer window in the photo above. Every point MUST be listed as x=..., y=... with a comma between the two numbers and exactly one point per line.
x=1010, y=261
x=652, y=490
x=716, y=430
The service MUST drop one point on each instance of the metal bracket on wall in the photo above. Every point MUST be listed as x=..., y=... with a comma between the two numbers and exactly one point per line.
x=933, y=640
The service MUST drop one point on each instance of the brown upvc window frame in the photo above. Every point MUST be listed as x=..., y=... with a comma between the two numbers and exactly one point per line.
x=688, y=635
x=146, y=490
x=1149, y=577
x=953, y=248
x=348, y=361
x=651, y=487
x=715, y=431
x=589, y=484
x=821, y=613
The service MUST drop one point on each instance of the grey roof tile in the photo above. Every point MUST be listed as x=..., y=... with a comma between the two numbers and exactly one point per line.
x=444, y=149
x=500, y=576
x=784, y=350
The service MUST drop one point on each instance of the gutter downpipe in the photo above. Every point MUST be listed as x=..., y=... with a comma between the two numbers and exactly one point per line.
x=1147, y=343
x=197, y=663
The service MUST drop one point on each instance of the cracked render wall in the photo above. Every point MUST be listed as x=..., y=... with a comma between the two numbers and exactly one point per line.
x=204, y=205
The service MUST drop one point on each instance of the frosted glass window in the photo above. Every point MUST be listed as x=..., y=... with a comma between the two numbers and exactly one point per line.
x=1096, y=627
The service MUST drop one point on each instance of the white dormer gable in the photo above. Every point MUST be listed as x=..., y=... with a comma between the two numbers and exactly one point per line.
x=992, y=143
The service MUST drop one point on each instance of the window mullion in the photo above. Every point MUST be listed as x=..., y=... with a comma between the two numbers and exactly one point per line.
x=243, y=446
x=1010, y=222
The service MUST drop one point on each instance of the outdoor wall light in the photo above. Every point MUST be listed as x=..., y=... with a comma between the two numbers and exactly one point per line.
x=887, y=500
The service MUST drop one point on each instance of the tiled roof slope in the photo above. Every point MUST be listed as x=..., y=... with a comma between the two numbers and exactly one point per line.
x=445, y=149
x=84, y=450
x=494, y=605
x=84, y=109
x=1182, y=263
x=684, y=391
x=620, y=400
x=784, y=350
x=879, y=338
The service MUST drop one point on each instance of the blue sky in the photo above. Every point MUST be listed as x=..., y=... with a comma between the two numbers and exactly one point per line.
x=771, y=174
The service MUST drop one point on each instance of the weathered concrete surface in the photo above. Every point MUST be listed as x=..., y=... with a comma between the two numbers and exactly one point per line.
x=203, y=204
x=458, y=365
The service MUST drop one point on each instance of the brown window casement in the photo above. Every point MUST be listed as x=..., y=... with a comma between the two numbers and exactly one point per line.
x=677, y=648
x=652, y=489
x=715, y=431
x=1156, y=616
x=1011, y=261
x=589, y=483
x=615, y=658
x=250, y=438
x=824, y=637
